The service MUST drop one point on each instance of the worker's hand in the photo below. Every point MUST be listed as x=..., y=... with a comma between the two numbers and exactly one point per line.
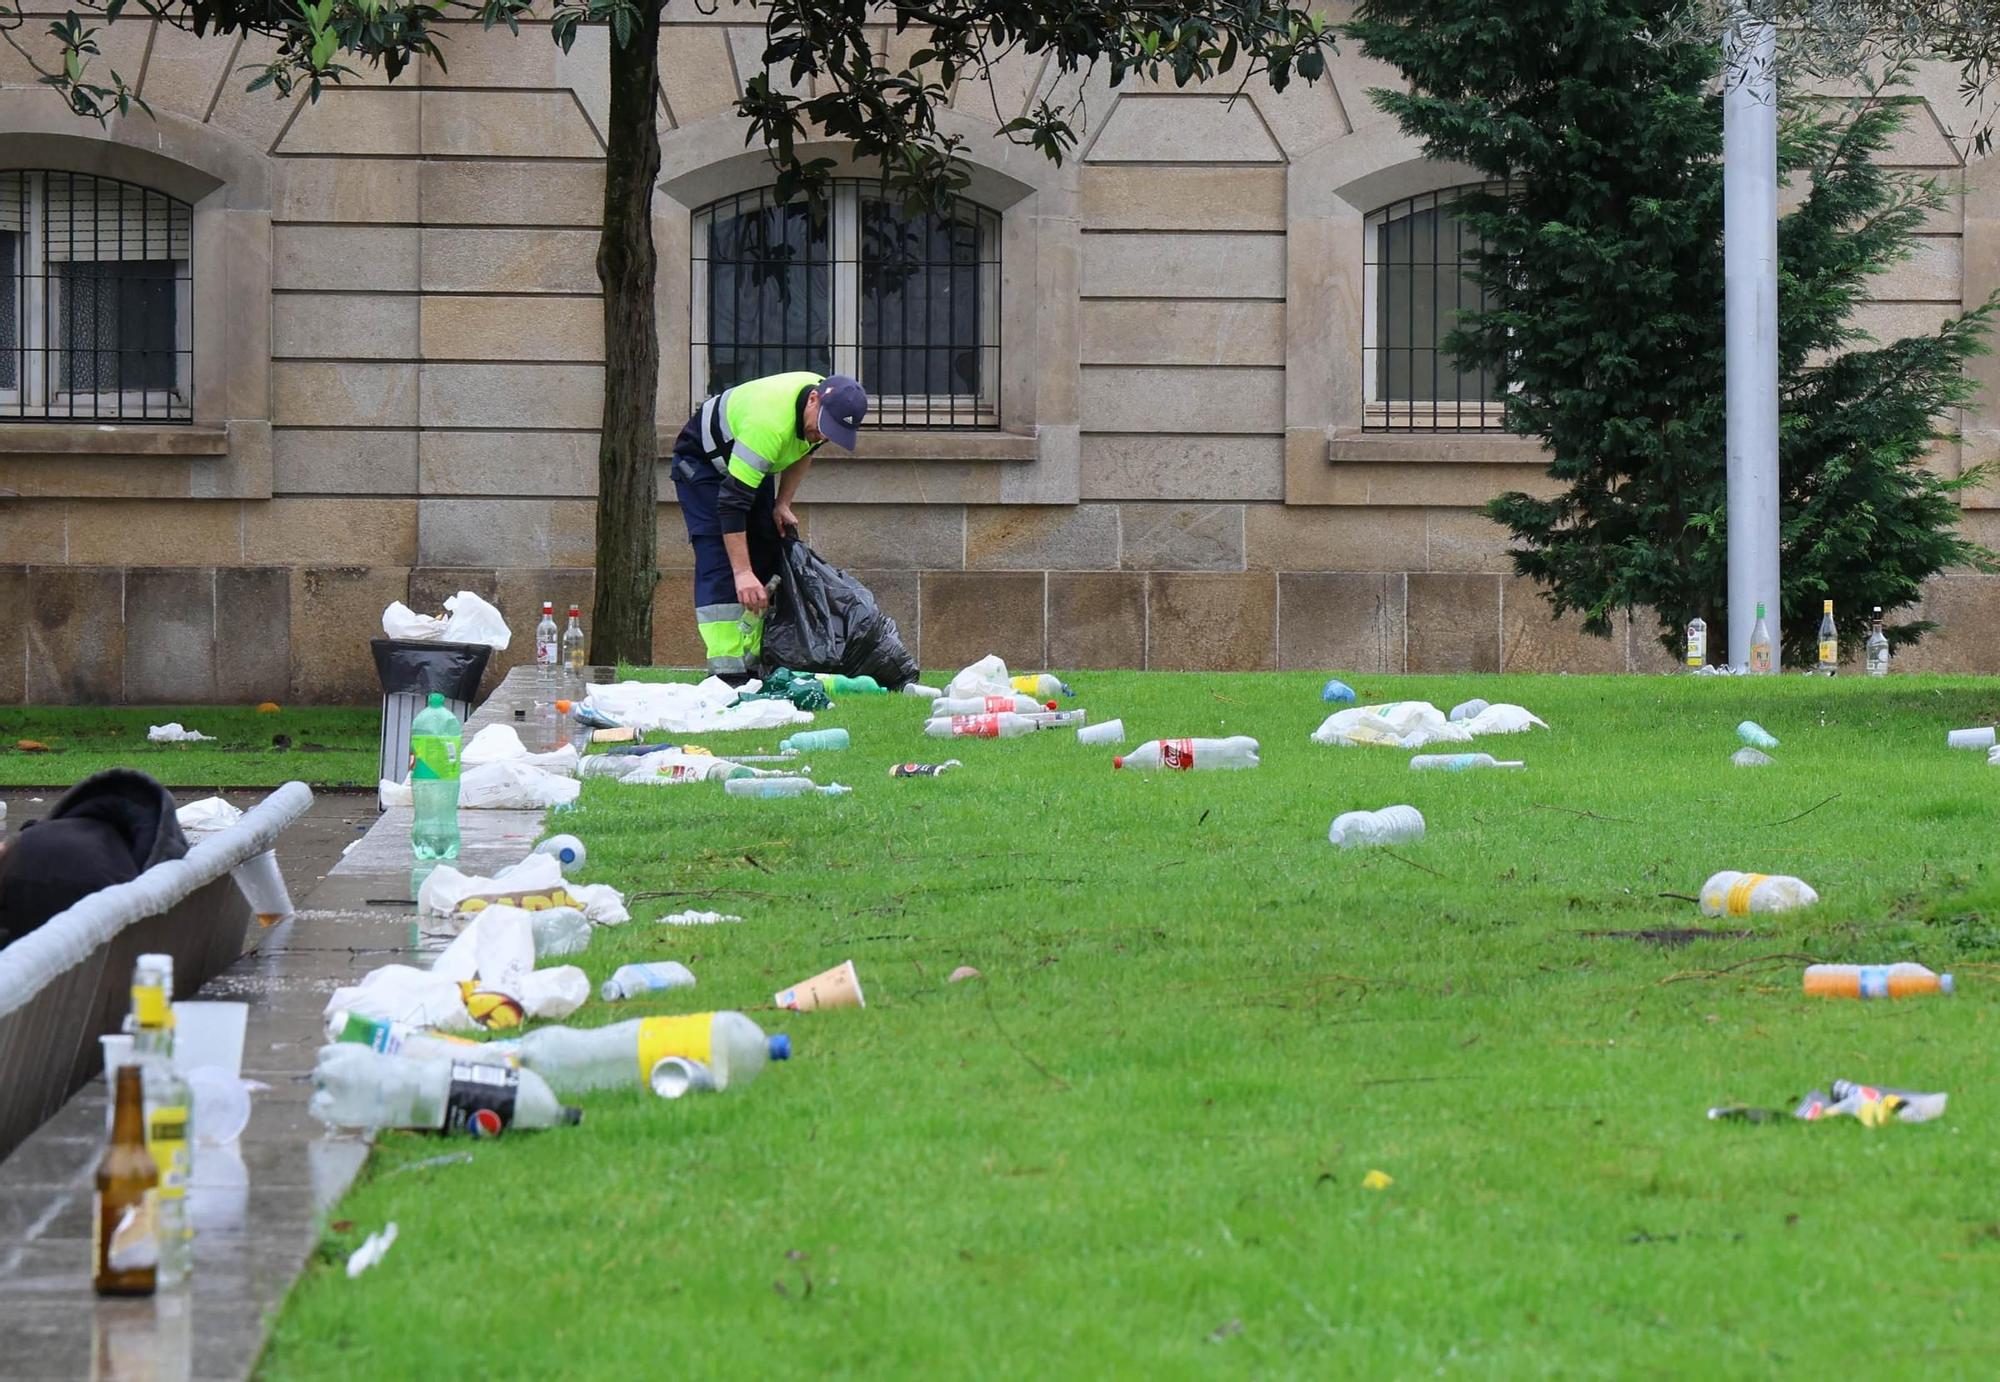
x=750, y=592
x=788, y=522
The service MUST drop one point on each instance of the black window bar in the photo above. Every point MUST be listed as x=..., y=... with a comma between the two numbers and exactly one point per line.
x=96, y=295
x=907, y=304
x=1419, y=276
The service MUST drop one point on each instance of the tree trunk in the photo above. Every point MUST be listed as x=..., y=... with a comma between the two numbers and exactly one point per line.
x=628, y=444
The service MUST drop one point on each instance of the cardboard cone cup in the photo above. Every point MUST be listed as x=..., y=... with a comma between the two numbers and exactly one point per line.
x=839, y=987
x=263, y=887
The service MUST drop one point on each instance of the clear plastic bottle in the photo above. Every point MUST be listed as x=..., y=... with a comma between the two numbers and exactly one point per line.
x=1392, y=825
x=356, y=1086
x=169, y=1107
x=1041, y=686
x=657, y=976
x=1756, y=736
x=1829, y=641
x=1460, y=762
x=1237, y=751
x=436, y=739
x=418, y=1043
x=1006, y=726
x=575, y=649
x=808, y=741
x=1697, y=643
x=1760, y=643
x=1878, y=647
x=765, y=787
x=1058, y=719
x=1874, y=981
x=1734, y=894
x=578, y=1059
x=1014, y=704
x=548, y=651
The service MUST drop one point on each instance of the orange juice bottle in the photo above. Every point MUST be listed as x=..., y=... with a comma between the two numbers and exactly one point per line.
x=1873, y=981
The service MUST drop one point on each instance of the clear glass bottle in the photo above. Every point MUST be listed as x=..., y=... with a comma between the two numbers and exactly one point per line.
x=168, y=1111
x=575, y=648
x=1829, y=641
x=1760, y=643
x=547, y=649
x=1697, y=643
x=1878, y=647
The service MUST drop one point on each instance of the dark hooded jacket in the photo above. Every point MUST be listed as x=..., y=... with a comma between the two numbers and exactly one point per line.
x=109, y=828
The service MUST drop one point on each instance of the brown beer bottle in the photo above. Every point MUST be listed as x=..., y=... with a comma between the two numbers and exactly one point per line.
x=125, y=1226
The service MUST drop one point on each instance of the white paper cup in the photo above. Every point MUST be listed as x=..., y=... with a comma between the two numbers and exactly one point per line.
x=1110, y=732
x=839, y=987
x=1980, y=738
x=209, y=1034
x=263, y=887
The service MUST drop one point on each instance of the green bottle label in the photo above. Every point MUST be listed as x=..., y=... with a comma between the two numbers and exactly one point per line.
x=433, y=758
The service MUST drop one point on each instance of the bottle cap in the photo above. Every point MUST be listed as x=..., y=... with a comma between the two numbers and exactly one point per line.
x=1944, y=983
x=437, y=699
x=781, y=1045
x=1118, y=762
x=571, y=1116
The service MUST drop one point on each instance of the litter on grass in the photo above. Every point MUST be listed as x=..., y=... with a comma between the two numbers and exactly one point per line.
x=1755, y=735
x=1875, y=981
x=962, y=973
x=1733, y=894
x=839, y=987
x=692, y=918
x=373, y=1250
x=1747, y=757
x=1337, y=692
x=1981, y=737
x=1418, y=724
x=709, y=708
x=173, y=733
x=536, y=882
x=1377, y=1180
x=1870, y=1105
x=1392, y=825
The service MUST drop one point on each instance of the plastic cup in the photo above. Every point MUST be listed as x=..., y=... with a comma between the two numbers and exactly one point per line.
x=221, y=1105
x=1979, y=738
x=263, y=887
x=839, y=987
x=1110, y=732
x=209, y=1034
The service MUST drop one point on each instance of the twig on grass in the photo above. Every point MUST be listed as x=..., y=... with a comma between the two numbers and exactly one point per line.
x=1801, y=816
x=1418, y=1079
x=701, y=892
x=1585, y=815
x=1390, y=853
x=1680, y=897
x=1058, y=1081
x=1783, y=957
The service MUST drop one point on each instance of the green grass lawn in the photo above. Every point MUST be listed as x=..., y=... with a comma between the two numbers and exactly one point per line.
x=326, y=746
x=1137, y=1145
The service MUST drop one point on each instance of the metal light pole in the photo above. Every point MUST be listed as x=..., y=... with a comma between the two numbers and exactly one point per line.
x=1750, y=287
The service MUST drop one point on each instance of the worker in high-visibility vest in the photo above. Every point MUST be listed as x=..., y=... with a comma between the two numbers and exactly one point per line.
x=723, y=464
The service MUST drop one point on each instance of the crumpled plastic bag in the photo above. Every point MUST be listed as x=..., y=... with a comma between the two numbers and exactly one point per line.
x=172, y=733
x=677, y=708
x=1418, y=724
x=986, y=677
x=824, y=620
x=467, y=619
x=207, y=815
x=402, y=993
x=534, y=880
x=673, y=766
x=502, y=744
x=804, y=691
x=510, y=785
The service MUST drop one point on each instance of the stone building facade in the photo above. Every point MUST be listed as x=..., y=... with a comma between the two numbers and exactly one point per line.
x=1191, y=418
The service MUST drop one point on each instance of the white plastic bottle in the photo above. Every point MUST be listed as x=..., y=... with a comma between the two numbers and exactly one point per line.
x=1015, y=703
x=418, y=1043
x=1058, y=719
x=1392, y=825
x=578, y=1059
x=1734, y=894
x=764, y=787
x=356, y=1086
x=658, y=976
x=1008, y=726
x=1460, y=762
x=1697, y=644
x=560, y=931
x=1237, y=751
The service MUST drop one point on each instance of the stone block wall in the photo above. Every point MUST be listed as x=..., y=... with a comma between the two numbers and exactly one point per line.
x=399, y=366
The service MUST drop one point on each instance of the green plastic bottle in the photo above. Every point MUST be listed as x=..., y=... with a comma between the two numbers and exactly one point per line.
x=812, y=739
x=436, y=737
x=851, y=686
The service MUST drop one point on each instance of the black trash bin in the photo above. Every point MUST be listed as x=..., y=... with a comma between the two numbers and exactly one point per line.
x=410, y=672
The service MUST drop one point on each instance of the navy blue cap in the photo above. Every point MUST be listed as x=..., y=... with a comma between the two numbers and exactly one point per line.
x=843, y=403
x=781, y=1046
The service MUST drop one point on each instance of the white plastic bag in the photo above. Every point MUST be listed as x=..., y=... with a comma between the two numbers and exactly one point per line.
x=210, y=813
x=172, y=733
x=446, y=888
x=501, y=744
x=679, y=708
x=1505, y=719
x=401, y=993
x=986, y=677
x=514, y=786
x=404, y=624
x=470, y=619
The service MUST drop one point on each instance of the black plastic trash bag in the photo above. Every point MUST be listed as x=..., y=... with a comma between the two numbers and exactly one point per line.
x=823, y=620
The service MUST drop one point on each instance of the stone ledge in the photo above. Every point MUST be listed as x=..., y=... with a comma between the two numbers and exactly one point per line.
x=112, y=439
x=918, y=444
x=1449, y=448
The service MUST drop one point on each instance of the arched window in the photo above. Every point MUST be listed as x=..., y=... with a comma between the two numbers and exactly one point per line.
x=1418, y=273
x=909, y=305
x=95, y=300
